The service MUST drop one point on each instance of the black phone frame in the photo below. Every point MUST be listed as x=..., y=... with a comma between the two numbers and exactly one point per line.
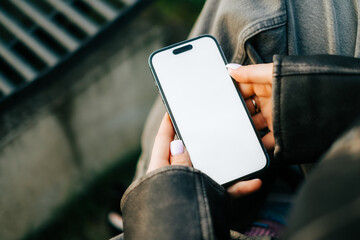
x=168, y=109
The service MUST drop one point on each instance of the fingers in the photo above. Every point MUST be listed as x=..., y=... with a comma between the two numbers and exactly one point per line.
x=250, y=106
x=253, y=105
x=269, y=141
x=247, y=90
x=259, y=121
x=179, y=155
x=257, y=74
x=260, y=90
x=160, y=155
x=243, y=188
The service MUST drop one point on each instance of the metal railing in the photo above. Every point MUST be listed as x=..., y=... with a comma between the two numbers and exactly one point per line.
x=37, y=35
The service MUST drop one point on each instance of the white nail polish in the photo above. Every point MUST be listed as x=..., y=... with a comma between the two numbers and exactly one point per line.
x=233, y=66
x=176, y=147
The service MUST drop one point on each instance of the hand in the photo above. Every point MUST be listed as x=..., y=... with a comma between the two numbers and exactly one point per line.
x=162, y=157
x=255, y=84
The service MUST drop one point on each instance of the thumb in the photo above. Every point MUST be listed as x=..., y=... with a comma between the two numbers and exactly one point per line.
x=179, y=155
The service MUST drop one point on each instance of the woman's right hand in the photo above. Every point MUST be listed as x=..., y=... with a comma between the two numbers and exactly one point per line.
x=255, y=84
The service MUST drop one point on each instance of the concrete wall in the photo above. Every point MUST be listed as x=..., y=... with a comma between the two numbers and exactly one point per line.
x=76, y=128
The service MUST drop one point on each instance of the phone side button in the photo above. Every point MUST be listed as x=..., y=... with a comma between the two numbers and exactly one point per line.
x=166, y=107
x=157, y=87
x=162, y=99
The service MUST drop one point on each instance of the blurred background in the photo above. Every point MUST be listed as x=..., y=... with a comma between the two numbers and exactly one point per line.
x=75, y=90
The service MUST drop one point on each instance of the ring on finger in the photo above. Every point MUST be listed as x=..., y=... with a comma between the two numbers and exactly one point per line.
x=256, y=107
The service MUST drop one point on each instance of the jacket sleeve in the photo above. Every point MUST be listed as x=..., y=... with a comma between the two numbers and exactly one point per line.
x=315, y=99
x=175, y=202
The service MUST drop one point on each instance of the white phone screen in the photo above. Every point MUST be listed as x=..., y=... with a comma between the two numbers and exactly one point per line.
x=207, y=110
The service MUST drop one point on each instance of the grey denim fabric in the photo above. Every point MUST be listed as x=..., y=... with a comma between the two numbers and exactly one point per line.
x=253, y=31
x=311, y=92
x=323, y=27
x=177, y=200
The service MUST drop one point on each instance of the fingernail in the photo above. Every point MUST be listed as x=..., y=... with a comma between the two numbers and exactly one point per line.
x=233, y=66
x=116, y=220
x=176, y=147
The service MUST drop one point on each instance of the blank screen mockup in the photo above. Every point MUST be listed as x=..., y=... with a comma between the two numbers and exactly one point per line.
x=208, y=111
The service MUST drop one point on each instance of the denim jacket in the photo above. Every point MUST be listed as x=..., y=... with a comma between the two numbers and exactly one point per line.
x=253, y=31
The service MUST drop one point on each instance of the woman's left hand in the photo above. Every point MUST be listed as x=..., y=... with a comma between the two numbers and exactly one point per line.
x=168, y=152
x=161, y=155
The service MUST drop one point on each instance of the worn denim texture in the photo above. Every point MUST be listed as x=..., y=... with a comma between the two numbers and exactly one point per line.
x=314, y=102
x=172, y=188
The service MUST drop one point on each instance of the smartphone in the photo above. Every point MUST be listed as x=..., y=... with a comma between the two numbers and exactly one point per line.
x=207, y=110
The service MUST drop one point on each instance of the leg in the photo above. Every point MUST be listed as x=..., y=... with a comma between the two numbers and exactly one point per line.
x=327, y=206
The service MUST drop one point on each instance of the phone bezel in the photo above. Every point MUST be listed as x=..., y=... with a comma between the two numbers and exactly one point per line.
x=168, y=109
